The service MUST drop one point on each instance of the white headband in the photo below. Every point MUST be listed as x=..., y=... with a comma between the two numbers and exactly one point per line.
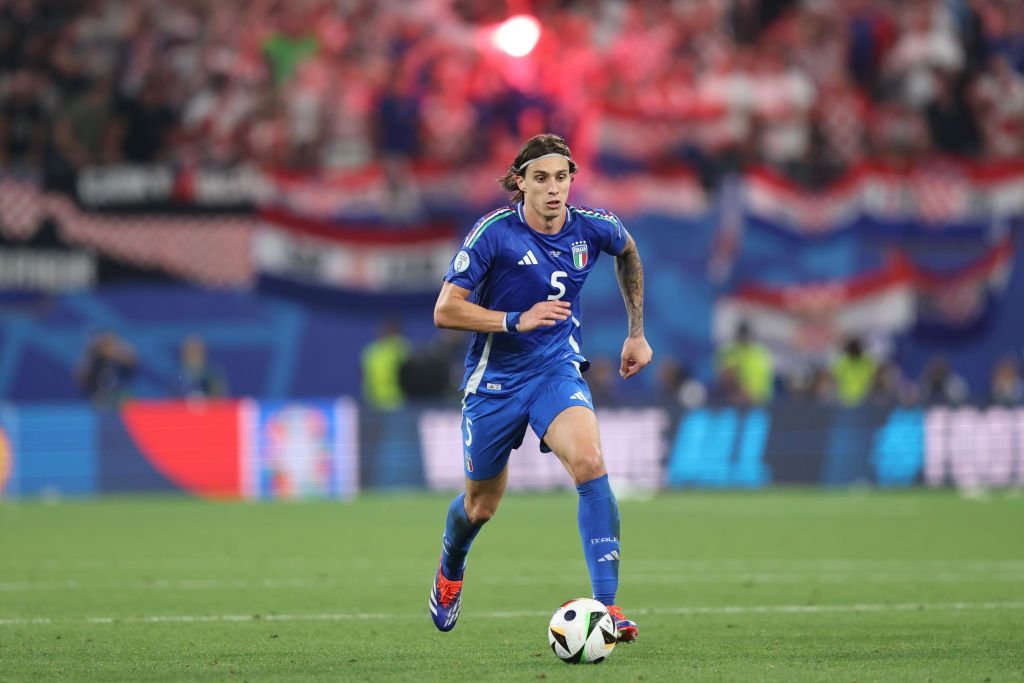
x=523, y=166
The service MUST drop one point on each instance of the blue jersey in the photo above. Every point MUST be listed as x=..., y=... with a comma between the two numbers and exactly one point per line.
x=509, y=266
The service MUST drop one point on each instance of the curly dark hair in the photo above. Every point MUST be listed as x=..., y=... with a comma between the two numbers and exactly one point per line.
x=538, y=145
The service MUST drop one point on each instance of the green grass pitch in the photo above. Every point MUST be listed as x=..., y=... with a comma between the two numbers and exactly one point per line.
x=788, y=585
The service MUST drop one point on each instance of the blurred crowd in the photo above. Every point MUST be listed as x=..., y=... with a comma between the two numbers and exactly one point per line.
x=746, y=375
x=109, y=366
x=394, y=372
x=809, y=86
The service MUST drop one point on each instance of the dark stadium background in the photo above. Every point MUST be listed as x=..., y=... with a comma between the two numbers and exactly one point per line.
x=278, y=187
x=280, y=182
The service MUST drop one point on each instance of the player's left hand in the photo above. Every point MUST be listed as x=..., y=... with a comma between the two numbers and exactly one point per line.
x=636, y=354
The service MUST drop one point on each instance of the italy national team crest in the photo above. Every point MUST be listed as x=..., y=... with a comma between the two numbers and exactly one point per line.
x=579, y=255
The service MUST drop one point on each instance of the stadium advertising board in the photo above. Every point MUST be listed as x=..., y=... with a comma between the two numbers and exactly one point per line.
x=632, y=441
x=52, y=450
x=300, y=449
x=970, y=448
x=330, y=449
x=7, y=415
x=795, y=443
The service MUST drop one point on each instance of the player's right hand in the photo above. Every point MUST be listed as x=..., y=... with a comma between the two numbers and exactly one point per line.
x=545, y=314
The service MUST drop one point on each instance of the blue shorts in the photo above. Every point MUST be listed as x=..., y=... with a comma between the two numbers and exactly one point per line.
x=492, y=427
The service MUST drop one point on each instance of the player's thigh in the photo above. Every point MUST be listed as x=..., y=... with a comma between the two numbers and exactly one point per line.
x=575, y=438
x=561, y=414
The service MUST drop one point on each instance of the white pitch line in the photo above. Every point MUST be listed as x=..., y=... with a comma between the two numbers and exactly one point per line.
x=166, y=584
x=683, y=577
x=830, y=564
x=12, y=565
x=820, y=609
x=365, y=616
x=821, y=577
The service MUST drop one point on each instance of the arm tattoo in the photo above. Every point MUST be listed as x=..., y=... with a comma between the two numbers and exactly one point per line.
x=630, y=274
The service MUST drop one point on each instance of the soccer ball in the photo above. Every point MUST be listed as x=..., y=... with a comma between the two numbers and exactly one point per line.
x=582, y=632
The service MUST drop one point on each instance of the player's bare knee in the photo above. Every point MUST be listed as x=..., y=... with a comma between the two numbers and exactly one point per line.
x=480, y=515
x=588, y=467
x=480, y=512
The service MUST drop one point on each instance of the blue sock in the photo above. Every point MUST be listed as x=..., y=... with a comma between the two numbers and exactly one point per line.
x=599, y=531
x=459, y=533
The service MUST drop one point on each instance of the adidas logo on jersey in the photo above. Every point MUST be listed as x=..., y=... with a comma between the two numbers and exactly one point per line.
x=529, y=259
x=578, y=396
x=613, y=556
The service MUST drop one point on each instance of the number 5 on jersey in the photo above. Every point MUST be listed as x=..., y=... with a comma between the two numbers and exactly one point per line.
x=558, y=286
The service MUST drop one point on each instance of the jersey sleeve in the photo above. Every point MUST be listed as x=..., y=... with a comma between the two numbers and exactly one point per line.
x=472, y=262
x=611, y=234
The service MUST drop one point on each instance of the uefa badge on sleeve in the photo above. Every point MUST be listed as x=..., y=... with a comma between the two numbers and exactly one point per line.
x=461, y=263
x=579, y=255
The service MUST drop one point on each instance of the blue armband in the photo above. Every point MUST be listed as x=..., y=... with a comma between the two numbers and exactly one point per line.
x=512, y=322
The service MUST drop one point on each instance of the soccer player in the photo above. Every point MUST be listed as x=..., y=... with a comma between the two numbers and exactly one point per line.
x=516, y=284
